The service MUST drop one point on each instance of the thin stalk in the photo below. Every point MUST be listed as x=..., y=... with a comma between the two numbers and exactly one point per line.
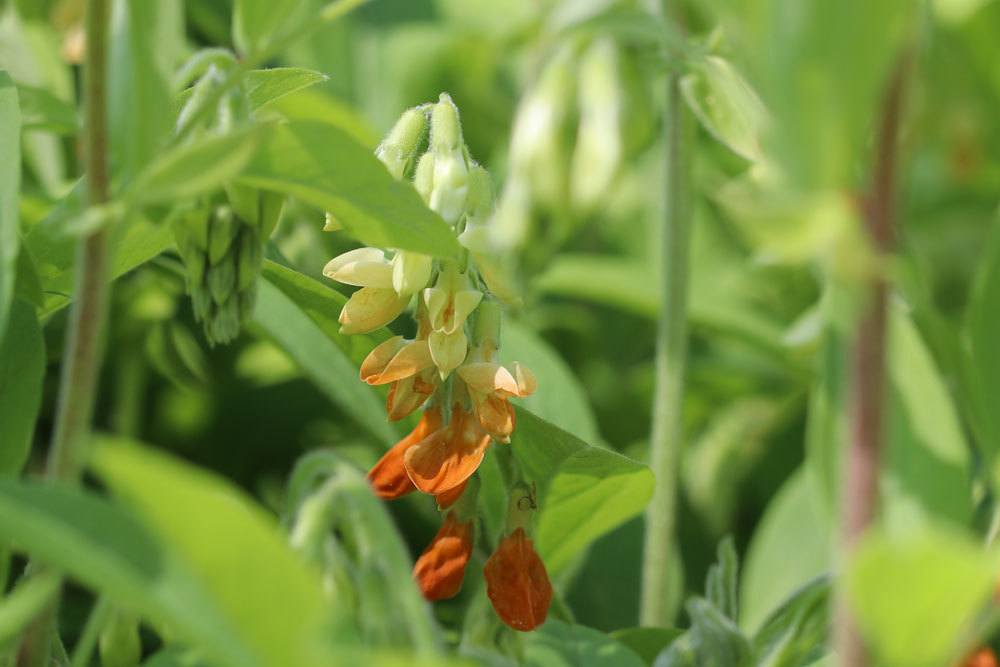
x=671, y=352
x=859, y=494
x=78, y=384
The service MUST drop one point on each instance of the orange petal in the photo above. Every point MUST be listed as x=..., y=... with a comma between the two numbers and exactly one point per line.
x=408, y=358
x=517, y=583
x=984, y=657
x=405, y=396
x=379, y=358
x=496, y=416
x=451, y=496
x=441, y=567
x=447, y=457
x=485, y=378
x=388, y=477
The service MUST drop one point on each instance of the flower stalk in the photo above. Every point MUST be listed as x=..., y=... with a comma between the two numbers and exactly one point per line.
x=671, y=352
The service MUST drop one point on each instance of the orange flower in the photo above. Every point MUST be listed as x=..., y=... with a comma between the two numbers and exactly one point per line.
x=441, y=567
x=408, y=367
x=490, y=385
x=517, y=583
x=451, y=496
x=388, y=477
x=984, y=657
x=449, y=456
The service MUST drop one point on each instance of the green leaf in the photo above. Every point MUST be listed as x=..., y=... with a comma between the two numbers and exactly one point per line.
x=790, y=547
x=300, y=315
x=726, y=105
x=584, y=491
x=982, y=330
x=915, y=596
x=41, y=110
x=22, y=369
x=712, y=640
x=257, y=24
x=264, y=86
x=560, y=399
x=139, y=113
x=647, y=642
x=23, y=605
x=215, y=160
x=325, y=167
x=273, y=602
x=723, y=579
x=10, y=185
x=796, y=633
x=558, y=644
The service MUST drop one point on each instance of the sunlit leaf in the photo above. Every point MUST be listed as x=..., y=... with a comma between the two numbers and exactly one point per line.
x=264, y=86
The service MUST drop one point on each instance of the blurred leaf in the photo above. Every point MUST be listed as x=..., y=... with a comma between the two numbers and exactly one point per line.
x=790, y=546
x=264, y=86
x=41, y=110
x=647, y=642
x=560, y=399
x=712, y=640
x=300, y=315
x=583, y=491
x=23, y=604
x=915, y=596
x=725, y=104
x=558, y=644
x=139, y=113
x=10, y=185
x=982, y=331
x=316, y=105
x=257, y=24
x=796, y=633
x=22, y=369
x=722, y=581
x=272, y=601
x=325, y=167
x=216, y=160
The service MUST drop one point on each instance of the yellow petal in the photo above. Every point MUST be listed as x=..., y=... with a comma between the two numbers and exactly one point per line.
x=526, y=382
x=437, y=301
x=363, y=267
x=410, y=272
x=464, y=303
x=485, y=378
x=379, y=358
x=413, y=358
x=370, y=308
x=448, y=350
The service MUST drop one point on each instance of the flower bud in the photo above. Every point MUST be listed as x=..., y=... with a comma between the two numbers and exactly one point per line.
x=441, y=567
x=410, y=272
x=479, y=209
x=399, y=149
x=423, y=177
x=451, y=172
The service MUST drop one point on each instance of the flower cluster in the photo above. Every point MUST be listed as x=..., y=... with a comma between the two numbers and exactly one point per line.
x=583, y=115
x=450, y=367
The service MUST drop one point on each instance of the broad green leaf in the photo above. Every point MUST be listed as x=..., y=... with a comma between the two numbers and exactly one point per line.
x=213, y=160
x=42, y=110
x=271, y=599
x=647, y=642
x=790, y=547
x=300, y=315
x=317, y=105
x=139, y=113
x=558, y=644
x=982, y=331
x=712, y=640
x=325, y=167
x=916, y=596
x=264, y=86
x=22, y=369
x=796, y=633
x=257, y=24
x=584, y=491
x=560, y=399
x=10, y=185
x=725, y=104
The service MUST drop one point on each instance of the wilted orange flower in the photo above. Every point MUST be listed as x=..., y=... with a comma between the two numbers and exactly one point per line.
x=984, y=657
x=490, y=385
x=441, y=567
x=449, y=456
x=405, y=365
x=388, y=477
x=517, y=583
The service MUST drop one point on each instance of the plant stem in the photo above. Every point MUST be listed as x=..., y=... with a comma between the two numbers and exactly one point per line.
x=88, y=312
x=671, y=352
x=859, y=495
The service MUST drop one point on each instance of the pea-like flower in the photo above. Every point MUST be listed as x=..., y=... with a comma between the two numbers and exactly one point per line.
x=517, y=583
x=441, y=567
x=408, y=368
x=490, y=385
x=388, y=477
x=448, y=456
x=449, y=304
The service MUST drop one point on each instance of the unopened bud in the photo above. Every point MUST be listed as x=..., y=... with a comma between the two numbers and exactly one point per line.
x=398, y=150
x=423, y=178
x=446, y=129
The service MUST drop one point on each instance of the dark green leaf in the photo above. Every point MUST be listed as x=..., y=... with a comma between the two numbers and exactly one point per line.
x=323, y=166
x=982, y=327
x=796, y=633
x=723, y=580
x=647, y=642
x=558, y=644
x=10, y=185
x=22, y=368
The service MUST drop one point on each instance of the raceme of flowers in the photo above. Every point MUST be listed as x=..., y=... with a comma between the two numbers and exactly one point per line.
x=449, y=370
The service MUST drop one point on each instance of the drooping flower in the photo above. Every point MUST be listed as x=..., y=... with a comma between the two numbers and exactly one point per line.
x=441, y=567
x=388, y=477
x=517, y=583
x=490, y=385
x=408, y=367
x=449, y=456
x=983, y=657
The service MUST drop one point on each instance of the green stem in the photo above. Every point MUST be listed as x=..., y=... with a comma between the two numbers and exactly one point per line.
x=671, y=352
x=98, y=618
x=78, y=385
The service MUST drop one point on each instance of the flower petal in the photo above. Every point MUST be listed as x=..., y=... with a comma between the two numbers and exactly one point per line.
x=464, y=303
x=447, y=457
x=448, y=350
x=486, y=377
x=379, y=358
x=451, y=496
x=441, y=567
x=517, y=583
x=526, y=382
x=496, y=416
x=405, y=396
x=413, y=358
x=388, y=477
x=370, y=308
x=364, y=267
x=410, y=272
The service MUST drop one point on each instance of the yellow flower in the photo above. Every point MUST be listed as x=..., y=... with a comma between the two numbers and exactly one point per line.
x=489, y=386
